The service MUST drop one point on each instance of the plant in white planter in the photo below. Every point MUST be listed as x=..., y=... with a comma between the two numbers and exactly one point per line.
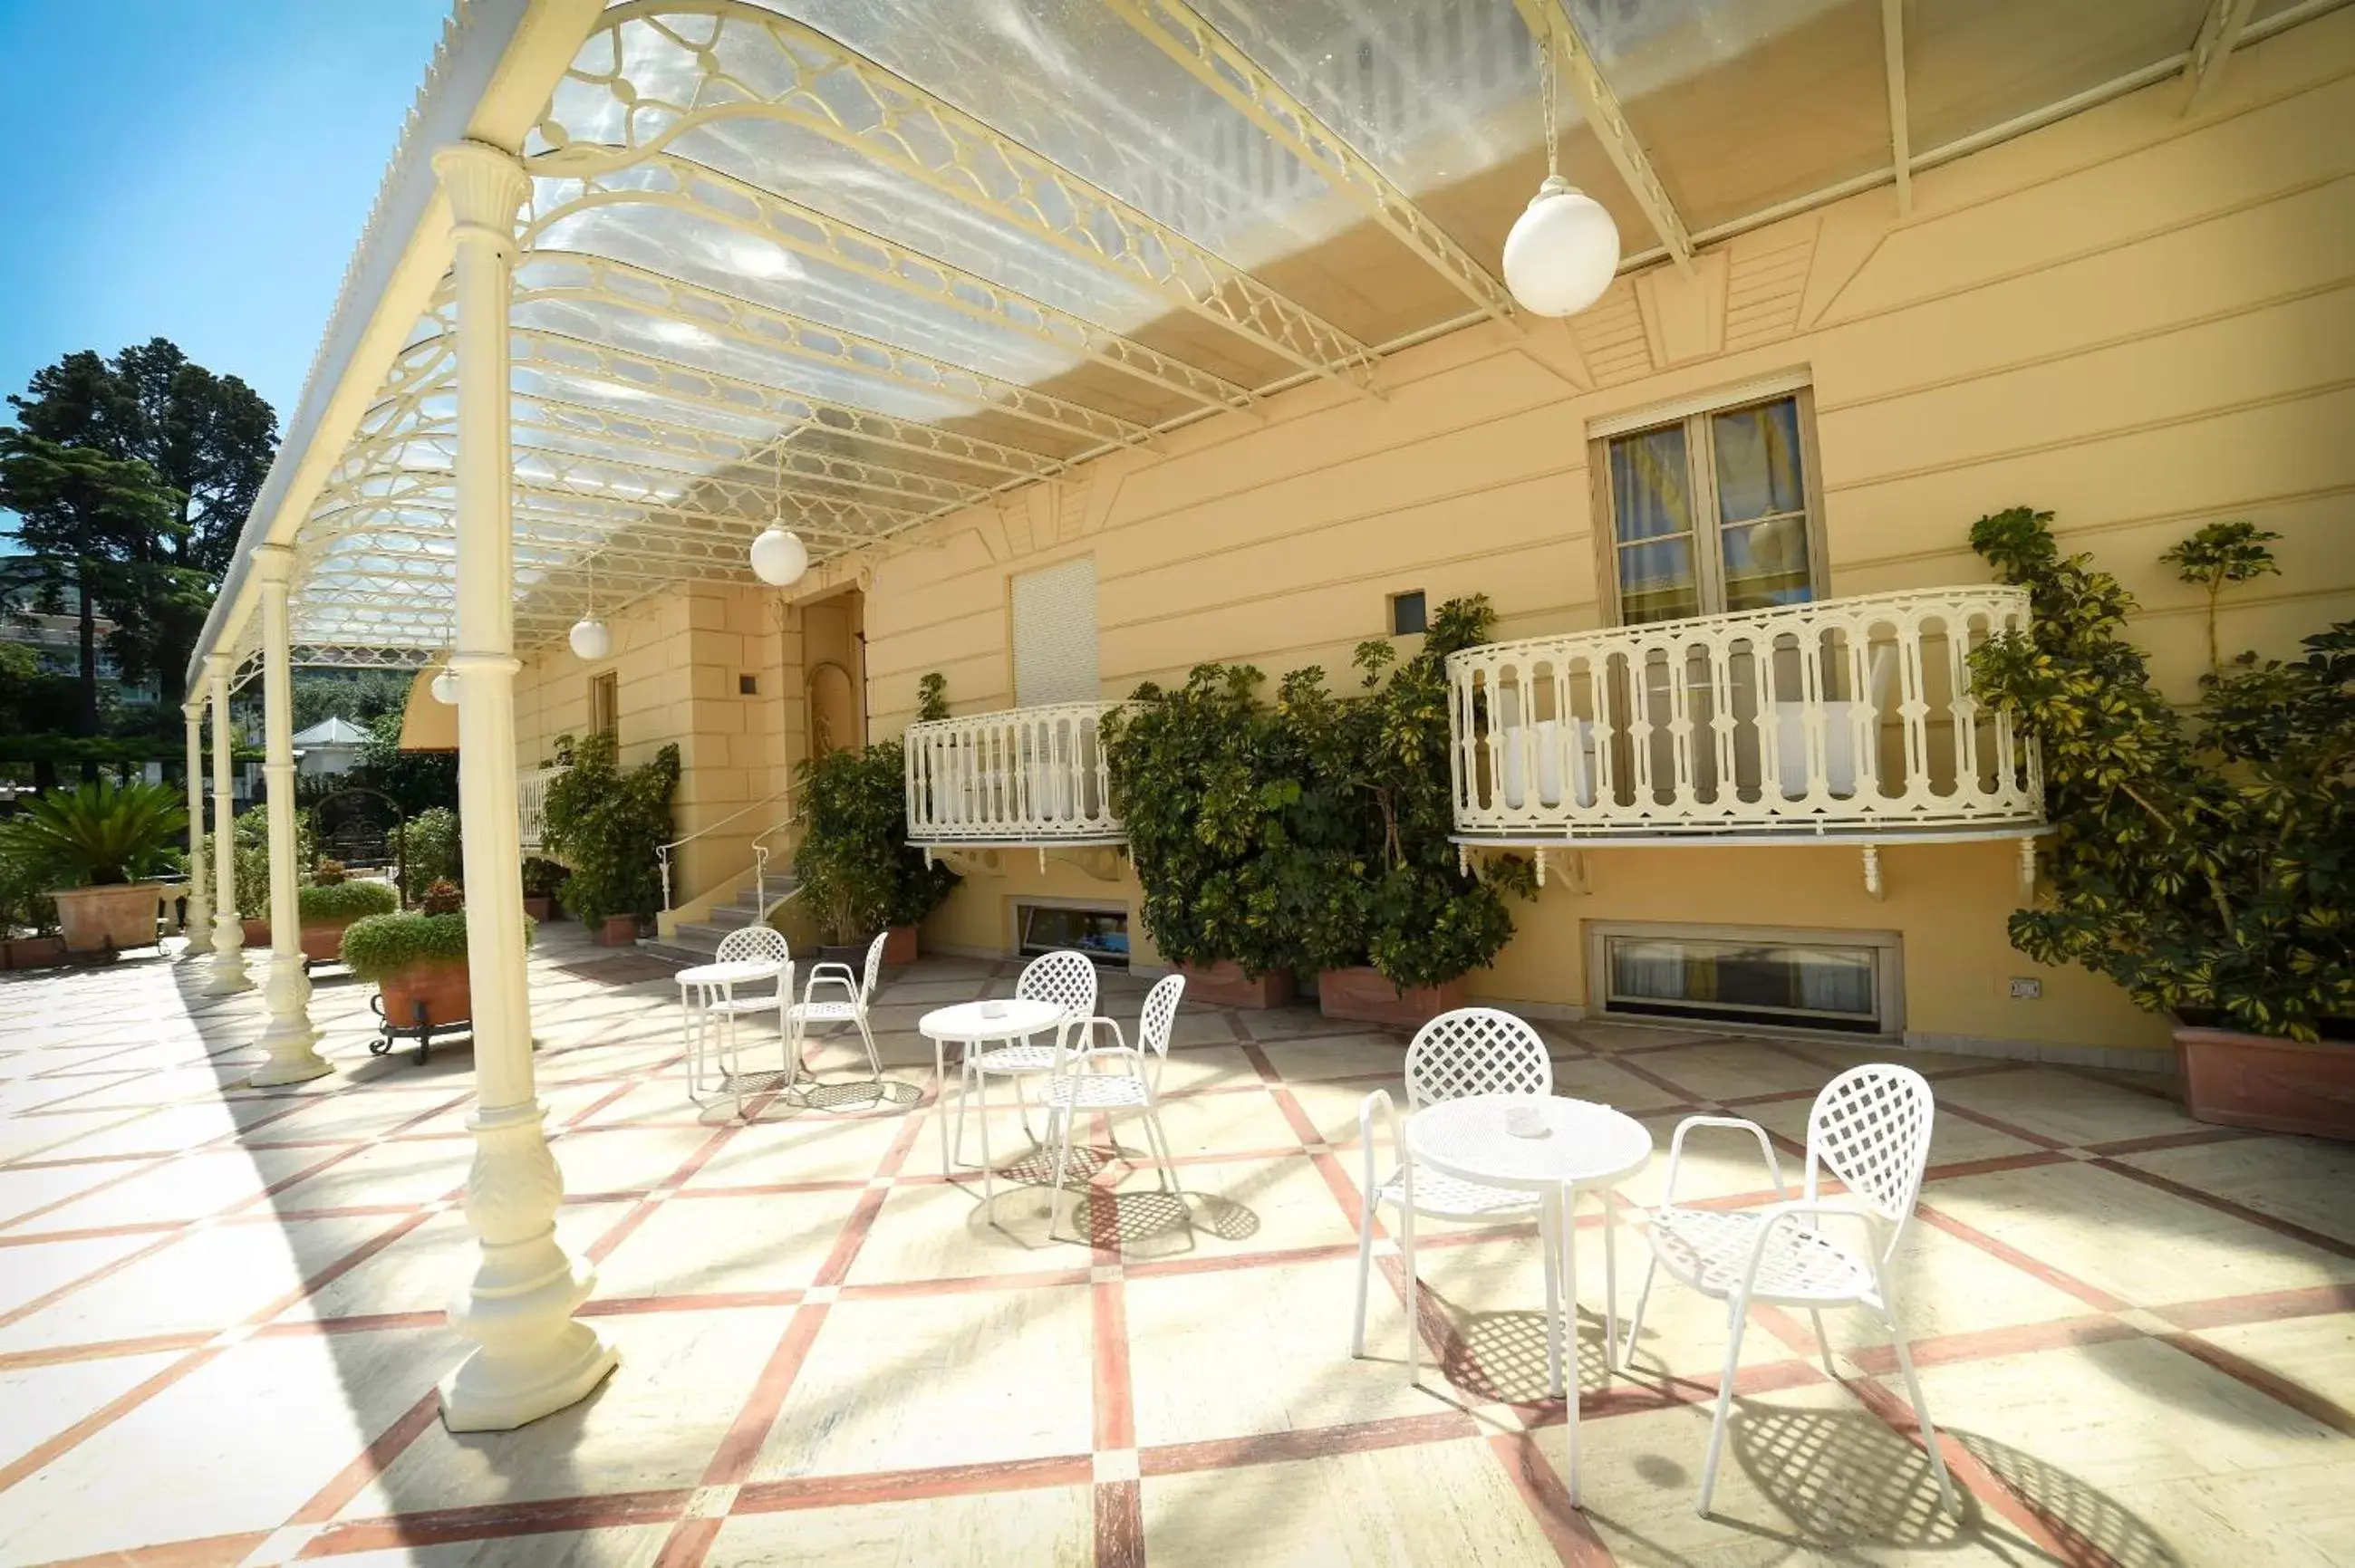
x=97, y=847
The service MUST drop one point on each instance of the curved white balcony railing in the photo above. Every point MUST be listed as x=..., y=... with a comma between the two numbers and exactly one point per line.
x=531, y=806
x=1851, y=717
x=1024, y=776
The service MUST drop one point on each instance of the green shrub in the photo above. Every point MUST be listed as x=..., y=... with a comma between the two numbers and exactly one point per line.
x=542, y=877
x=384, y=945
x=24, y=902
x=607, y=823
x=429, y=850
x=2207, y=868
x=98, y=835
x=324, y=903
x=856, y=872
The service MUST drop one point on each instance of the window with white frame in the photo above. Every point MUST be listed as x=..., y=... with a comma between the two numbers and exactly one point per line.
x=1055, y=634
x=1713, y=510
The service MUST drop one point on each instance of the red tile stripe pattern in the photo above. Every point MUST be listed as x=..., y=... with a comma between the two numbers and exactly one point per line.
x=97, y=1093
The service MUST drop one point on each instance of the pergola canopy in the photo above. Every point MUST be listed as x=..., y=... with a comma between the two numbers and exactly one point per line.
x=854, y=266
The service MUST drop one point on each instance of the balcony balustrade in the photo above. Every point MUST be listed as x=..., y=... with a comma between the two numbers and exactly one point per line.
x=531, y=806
x=1025, y=776
x=1849, y=717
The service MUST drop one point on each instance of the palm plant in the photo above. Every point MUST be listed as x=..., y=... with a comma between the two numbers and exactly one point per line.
x=98, y=835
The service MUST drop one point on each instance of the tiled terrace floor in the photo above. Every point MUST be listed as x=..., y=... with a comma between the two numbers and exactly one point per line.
x=221, y=1318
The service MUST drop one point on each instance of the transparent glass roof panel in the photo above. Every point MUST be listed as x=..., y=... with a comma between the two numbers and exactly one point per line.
x=1071, y=80
x=1743, y=104
x=1975, y=64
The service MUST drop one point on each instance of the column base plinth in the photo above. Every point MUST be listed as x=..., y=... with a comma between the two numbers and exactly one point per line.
x=503, y=1386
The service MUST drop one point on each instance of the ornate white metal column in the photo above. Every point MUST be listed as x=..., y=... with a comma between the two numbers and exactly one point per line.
x=200, y=898
x=288, y=1037
x=228, y=934
x=534, y=1357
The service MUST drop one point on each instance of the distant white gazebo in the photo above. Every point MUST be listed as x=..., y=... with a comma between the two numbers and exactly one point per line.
x=332, y=746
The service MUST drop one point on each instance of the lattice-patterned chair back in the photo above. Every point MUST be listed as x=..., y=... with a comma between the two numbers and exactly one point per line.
x=1475, y=1051
x=1064, y=978
x=1870, y=1127
x=1160, y=1013
x=753, y=945
x=874, y=968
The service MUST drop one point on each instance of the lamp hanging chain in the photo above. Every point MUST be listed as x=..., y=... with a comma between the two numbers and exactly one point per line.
x=1545, y=101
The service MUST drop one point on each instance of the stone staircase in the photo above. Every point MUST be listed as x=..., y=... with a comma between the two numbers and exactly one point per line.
x=696, y=940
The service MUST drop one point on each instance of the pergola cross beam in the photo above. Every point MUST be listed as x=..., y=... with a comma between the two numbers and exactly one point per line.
x=1901, y=137
x=2219, y=34
x=1208, y=56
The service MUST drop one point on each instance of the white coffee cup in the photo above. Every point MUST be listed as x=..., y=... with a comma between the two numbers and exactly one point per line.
x=1526, y=1120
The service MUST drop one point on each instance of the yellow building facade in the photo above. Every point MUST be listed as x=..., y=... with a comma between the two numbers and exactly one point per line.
x=2138, y=321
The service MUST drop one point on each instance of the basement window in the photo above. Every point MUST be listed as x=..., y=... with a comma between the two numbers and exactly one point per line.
x=1843, y=981
x=1101, y=933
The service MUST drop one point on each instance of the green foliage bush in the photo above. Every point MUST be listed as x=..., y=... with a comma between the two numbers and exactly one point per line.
x=2208, y=867
x=428, y=849
x=385, y=944
x=1315, y=835
x=97, y=835
x=857, y=873
x=542, y=877
x=25, y=903
x=607, y=823
x=324, y=903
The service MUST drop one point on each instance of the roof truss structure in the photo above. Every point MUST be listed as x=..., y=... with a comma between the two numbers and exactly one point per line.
x=853, y=267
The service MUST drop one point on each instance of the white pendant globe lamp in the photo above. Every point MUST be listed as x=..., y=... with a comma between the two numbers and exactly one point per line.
x=445, y=689
x=778, y=557
x=591, y=638
x=1564, y=250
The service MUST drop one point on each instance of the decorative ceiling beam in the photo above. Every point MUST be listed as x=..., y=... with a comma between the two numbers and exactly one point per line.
x=715, y=315
x=765, y=215
x=922, y=138
x=792, y=412
x=2219, y=34
x=1209, y=58
x=1901, y=137
x=1552, y=19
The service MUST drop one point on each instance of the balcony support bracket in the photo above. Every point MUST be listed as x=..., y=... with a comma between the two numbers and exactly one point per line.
x=2027, y=870
x=1872, y=889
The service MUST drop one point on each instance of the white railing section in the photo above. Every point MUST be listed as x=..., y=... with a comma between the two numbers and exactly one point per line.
x=1846, y=714
x=664, y=852
x=1024, y=776
x=531, y=806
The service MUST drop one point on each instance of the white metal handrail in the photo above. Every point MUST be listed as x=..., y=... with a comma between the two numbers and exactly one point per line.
x=531, y=806
x=760, y=852
x=663, y=852
x=1019, y=776
x=1846, y=715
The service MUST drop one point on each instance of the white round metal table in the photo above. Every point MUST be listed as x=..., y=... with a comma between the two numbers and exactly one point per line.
x=1583, y=1147
x=701, y=987
x=974, y=1024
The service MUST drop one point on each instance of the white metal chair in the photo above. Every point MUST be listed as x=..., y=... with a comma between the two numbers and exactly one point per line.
x=850, y=1008
x=705, y=1000
x=1871, y=1128
x=1472, y=1051
x=1064, y=978
x=1134, y=1084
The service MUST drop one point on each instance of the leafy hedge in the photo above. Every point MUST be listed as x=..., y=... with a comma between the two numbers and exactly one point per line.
x=607, y=823
x=385, y=944
x=323, y=903
x=431, y=850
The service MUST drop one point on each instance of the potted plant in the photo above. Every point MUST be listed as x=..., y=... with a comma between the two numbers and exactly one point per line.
x=329, y=905
x=28, y=918
x=543, y=882
x=96, y=848
x=607, y=823
x=1204, y=802
x=428, y=849
x=250, y=860
x=418, y=959
x=849, y=863
x=2205, y=865
x=1374, y=868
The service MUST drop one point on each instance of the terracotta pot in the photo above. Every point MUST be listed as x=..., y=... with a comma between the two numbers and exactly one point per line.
x=93, y=919
x=441, y=988
x=324, y=944
x=36, y=952
x=257, y=933
x=1363, y=995
x=539, y=908
x=1224, y=984
x=851, y=956
x=2279, y=1085
x=618, y=931
x=901, y=947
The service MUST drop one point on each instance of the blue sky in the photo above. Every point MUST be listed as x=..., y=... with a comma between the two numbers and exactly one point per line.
x=194, y=169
